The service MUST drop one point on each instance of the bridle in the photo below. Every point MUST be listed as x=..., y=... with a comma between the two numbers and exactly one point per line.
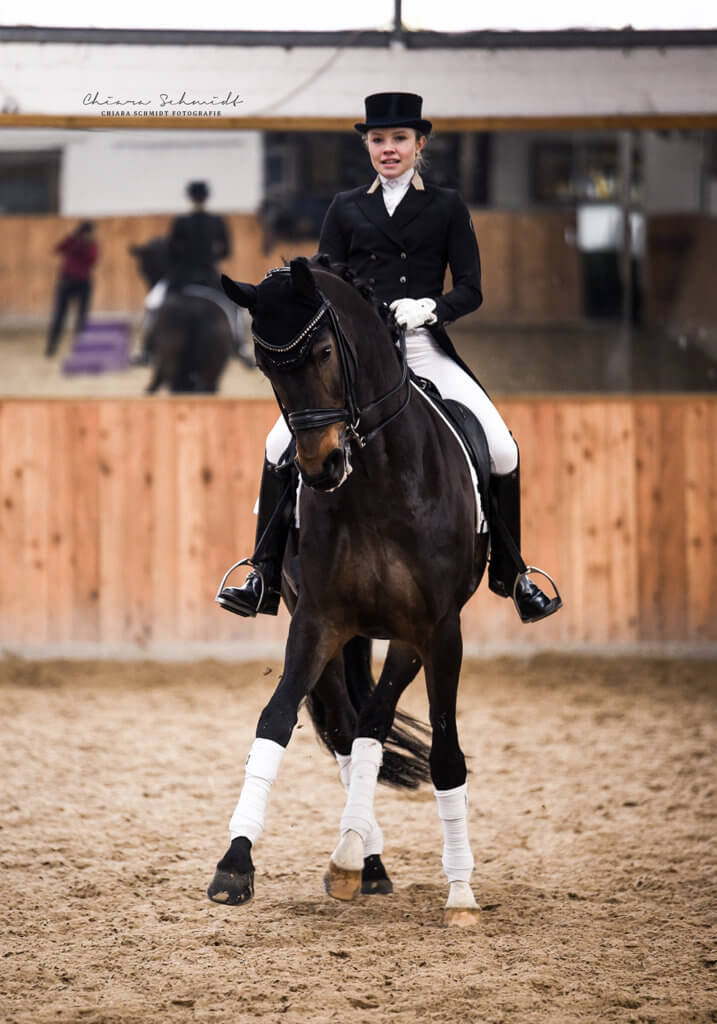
x=295, y=352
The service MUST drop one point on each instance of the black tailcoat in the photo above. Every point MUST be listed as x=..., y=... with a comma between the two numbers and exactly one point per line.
x=197, y=242
x=406, y=255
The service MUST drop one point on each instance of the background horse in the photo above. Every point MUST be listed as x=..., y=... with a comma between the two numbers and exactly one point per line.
x=387, y=548
x=189, y=338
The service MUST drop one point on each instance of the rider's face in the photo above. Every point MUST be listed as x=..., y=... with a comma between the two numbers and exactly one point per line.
x=394, y=150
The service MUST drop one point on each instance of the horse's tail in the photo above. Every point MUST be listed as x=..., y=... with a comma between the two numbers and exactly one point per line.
x=405, y=752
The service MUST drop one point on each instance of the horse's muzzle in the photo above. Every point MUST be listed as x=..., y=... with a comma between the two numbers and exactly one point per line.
x=334, y=472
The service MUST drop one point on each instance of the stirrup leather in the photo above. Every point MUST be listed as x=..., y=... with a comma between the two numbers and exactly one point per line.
x=227, y=574
x=522, y=575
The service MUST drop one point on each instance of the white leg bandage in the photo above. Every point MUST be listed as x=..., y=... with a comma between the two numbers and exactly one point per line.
x=358, y=816
x=262, y=767
x=453, y=812
x=373, y=843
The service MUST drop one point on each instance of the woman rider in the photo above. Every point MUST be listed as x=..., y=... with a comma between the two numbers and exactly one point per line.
x=400, y=234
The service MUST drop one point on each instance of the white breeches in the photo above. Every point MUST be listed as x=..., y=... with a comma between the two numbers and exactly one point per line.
x=155, y=297
x=427, y=359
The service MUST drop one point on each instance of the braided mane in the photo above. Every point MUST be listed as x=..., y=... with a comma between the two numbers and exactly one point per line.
x=343, y=270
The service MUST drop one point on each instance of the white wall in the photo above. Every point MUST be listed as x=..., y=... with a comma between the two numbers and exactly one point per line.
x=313, y=81
x=142, y=172
x=136, y=172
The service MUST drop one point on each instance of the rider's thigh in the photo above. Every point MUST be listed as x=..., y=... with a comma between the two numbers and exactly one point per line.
x=277, y=441
x=428, y=360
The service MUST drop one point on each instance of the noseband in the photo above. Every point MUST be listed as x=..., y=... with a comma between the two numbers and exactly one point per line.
x=295, y=353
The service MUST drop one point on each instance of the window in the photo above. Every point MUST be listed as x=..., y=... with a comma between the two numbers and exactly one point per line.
x=29, y=181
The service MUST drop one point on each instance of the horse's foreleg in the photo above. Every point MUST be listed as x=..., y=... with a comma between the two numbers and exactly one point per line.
x=448, y=770
x=361, y=836
x=308, y=649
x=374, y=877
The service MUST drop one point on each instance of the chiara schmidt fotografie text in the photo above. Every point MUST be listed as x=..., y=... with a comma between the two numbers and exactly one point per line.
x=164, y=105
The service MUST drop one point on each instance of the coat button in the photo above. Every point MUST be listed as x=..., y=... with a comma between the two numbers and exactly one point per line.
x=373, y=256
x=372, y=280
x=403, y=256
x=402, y=280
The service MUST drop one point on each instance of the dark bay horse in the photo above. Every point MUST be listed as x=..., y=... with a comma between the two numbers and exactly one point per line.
x=388, y=547
x=190, y=339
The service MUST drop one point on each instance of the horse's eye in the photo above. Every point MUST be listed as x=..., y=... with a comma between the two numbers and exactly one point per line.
x=325, y=355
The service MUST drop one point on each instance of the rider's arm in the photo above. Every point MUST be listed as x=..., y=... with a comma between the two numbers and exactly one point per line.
x=221, y=245
x=464, y=261
x=332, y=240
x=176, y=246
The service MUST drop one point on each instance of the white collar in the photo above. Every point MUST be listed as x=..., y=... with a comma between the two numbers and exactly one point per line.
x=416, y=181
x=402, y=181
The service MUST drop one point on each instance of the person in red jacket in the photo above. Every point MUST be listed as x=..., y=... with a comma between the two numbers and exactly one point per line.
x=79, y=252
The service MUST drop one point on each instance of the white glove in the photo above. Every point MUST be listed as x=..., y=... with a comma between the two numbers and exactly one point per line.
x=412, y=313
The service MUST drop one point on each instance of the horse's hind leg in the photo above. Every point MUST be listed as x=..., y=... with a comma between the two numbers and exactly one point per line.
x=309, y=647
x=448, y=770
x=360, y=834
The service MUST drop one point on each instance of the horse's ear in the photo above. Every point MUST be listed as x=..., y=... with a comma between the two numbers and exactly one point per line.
x=302, y=279
x=243, y=294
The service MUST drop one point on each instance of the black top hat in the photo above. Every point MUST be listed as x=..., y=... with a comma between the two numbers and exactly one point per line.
x=394, y=110
x=198, y=190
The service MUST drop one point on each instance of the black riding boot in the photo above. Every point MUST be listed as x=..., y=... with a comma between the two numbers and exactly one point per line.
x=506, y=562
x=261, y=591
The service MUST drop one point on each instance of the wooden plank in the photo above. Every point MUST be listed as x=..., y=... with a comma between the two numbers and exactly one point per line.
x=60, y=571
x=621, y=513
x=701, y=552
x=166, y=555
x=572, y=566
x=218, y=515
x=84, y=431
x=594, y=525
x=11, y=523
x=112, y=442
x=138, y=522
x=35, y=424
x=650, y=516
x=190, y=531
x=540, y=455
x=671, y=527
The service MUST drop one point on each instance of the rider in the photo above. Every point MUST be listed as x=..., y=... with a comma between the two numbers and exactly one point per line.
x=400, y=234
x=197, y=242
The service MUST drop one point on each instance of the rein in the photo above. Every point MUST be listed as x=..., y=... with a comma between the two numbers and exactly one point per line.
x=312, y=419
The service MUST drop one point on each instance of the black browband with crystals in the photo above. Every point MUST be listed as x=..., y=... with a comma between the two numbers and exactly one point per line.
x=294, y=353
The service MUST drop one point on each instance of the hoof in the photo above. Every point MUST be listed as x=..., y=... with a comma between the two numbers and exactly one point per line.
x=462, y=917
x=341, y=883
x=233, y=882
x=461, y=910
x=231, y=888
x=374, y=879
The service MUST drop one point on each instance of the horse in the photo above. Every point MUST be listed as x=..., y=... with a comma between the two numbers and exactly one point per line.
x=388, y=547
x=189, y=337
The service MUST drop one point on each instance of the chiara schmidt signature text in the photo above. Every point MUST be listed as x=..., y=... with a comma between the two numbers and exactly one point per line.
x=164, y=101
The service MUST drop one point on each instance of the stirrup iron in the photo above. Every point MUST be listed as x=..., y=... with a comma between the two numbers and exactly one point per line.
x=522, y=575
x=227, y=574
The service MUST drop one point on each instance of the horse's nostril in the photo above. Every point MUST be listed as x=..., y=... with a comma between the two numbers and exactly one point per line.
x=333, y=464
